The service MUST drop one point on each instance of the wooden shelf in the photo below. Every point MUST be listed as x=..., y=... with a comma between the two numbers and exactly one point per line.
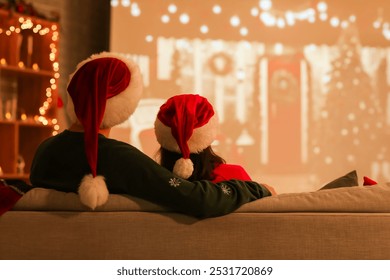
x=28, y=68
x=26, y=71
x=24, y=176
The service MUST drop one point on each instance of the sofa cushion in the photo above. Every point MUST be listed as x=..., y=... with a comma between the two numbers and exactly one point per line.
x=41, y=199
x=363, y=199
x=347, y=199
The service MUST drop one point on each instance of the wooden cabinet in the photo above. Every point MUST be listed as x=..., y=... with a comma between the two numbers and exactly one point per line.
x=28, y=89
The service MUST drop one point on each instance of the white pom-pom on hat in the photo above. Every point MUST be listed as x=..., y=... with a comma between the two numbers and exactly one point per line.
x=93, y=191
x=183, y=168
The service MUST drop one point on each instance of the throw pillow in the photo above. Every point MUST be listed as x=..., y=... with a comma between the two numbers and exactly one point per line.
x=348, y=180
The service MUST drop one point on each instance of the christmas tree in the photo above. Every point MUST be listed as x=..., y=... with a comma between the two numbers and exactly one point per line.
x=351, y=124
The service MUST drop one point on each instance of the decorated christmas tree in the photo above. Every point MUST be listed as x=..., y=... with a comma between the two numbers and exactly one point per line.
x=350, y=125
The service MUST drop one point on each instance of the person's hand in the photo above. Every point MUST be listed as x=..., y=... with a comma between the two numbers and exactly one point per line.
x=271, y=189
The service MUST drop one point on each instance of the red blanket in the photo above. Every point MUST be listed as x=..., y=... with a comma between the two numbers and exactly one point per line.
x=9, y=195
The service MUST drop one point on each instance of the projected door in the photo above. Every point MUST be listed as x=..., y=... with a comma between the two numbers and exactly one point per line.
x=284, y=113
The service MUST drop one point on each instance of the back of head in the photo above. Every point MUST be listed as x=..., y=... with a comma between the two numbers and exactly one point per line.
x=186, y=124
x=103, y=91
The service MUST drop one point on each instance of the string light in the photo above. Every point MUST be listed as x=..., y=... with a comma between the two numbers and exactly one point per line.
x=235, y=21
x=204, y=29
x=322, y=7
x=126, y=3
x=267, y=19
x=135, y=10
x=244, y=31
x=265, y=5
x=217, y=9
x=172, y=8
x=254, y=11
x=265, y=11
x=165, y=18
x=278, y=48
x=184, y=18
x=149, y=38
x=334, y=21
x=114, y=3
x=37, y=28
x=280, y=23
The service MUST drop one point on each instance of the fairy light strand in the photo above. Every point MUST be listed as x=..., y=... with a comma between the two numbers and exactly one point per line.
x=267, y=14
x=37, y=28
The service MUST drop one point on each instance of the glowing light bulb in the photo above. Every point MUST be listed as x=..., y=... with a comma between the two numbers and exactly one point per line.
x=126, y=3
x=267, y=19
x=204, y=29
x=114, y=3
x=323, y=16
x=235, y=21
x=135, y=10
x=184, y=18
x=265, y=5
x=165, y=18
x=244, y=31
x=334, y=21
x=278, y=48
x=290, y=18
x=172, y=8
x=386, y=33
x=377, y=24
x=149, y=38
x=254, y=11
x=280, y=23
x=322, y=6
x=217, y=9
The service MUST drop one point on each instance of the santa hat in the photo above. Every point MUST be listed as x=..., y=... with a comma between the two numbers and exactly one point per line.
x=186, y=124
x=103, y=92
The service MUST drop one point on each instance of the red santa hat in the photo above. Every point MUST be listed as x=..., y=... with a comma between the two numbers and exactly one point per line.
x=186, y=124
x=103, y=92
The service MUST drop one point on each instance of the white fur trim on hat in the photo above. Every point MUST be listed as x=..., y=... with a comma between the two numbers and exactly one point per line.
x=93, y=191
x=119, y=107
x=201, y=137
x=183, y=168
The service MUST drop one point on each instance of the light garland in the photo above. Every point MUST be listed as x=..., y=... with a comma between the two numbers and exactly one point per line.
x=28, y=24
x=268, y=15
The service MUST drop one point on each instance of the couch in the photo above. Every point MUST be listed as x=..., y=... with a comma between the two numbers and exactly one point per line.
x=342, y=223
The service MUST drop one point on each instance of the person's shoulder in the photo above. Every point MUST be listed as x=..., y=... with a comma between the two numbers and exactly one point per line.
x=52, y=140
x=115, y=146
x=122, y=150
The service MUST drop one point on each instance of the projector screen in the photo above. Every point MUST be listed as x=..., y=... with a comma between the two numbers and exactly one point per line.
x=301, y=95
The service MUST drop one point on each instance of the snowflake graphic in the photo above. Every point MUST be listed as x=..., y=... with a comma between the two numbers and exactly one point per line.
x=174, y=182
x=226, y=189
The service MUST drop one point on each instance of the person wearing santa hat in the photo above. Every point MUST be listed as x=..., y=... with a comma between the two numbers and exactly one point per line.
x=185, y=127
x=104, y=91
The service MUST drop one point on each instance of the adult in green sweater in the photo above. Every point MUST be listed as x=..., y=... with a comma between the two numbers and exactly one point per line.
x=103, y=92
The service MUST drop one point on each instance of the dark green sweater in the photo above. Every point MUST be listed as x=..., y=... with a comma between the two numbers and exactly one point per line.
x=60, y=163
